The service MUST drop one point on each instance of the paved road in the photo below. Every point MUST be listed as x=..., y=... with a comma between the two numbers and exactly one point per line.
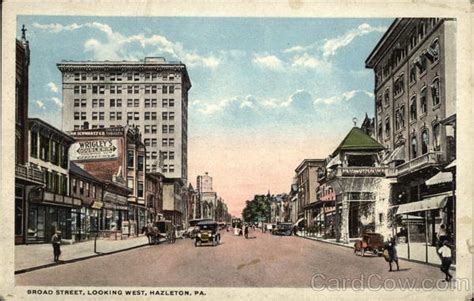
x=263, y=261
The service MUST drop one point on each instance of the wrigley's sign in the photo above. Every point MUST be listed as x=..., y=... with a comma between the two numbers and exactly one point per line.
x=94, y=149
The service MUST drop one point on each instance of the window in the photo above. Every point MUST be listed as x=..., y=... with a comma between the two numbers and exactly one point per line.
x=153, y=115
x=34, y=144
x=101, y=89
x=77, y=76
x=119, y=115
x=153, y=75
x=77, y=127
x=153, y=89
x=129, y=76
x=413, y=108
x=81, y=187
x=386, y=97
x=423, y=102
x=76, y=103
x=129, y=115
x=83, y=116
x=76, y=89
x=165, y=167
x=424, y=141
x=112, y=76
x=119, y=103
x=112, y=89
x=136, y=89
x=171, y=168
x=95, y=89
x=136, y=116
x=147, y=89
x=154, y=129
x=83, y=89
x=101, y=115
x=83, y=103
x=398, y=85
x=164, y=154
x=402, y=116
x=171, y=77
x=140, y=189
x=130, y=183
x=171, y=116
x=147, y=102
x=129, y=89
x=95, y=103
x=147, y=116
x=147, y=129
x=378, y=104
x=119, y=89
x=387, y=127
x=154, y=142
x=101, y=76
x=433, y=51
x=171, y=156
x=141, y=162
x=76, y=115
x=136, y=76
x=94, y=192
x=101, y=103
x=154, y=155
x=129, y=103
x=94, y=115
x=164, y=129
x=171, y=128
x=171, y=142
x=413, y=147
x=136, y=103
x=153, y=102
x=435, y=92
x=164, y=142
x=171, y=102
x=165, y=90
x=436, y=137
x=171, y=89
x=94, y=76
x=147, y=142
x=112, y=116
x=164, y=103
x=164, y=115
x=412, y=73
x=83, y=76
x=112, y=103
x=87, y=191
x=74, y=186
x=130, y=158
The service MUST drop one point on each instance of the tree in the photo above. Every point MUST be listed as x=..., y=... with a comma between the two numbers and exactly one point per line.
x=257, y=209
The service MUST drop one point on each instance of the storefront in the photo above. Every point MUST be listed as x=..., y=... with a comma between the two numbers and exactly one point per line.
x=52, y=212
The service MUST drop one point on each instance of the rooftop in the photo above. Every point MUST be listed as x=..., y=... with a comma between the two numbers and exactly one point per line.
x=356, y=139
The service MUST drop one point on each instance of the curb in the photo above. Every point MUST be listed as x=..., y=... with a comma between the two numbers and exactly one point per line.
x=48, y=265
x=402, y=258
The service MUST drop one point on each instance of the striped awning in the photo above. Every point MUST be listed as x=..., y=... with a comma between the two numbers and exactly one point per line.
x=440, y=178
x=398, y=154
x=334, y=161
x=451, y=165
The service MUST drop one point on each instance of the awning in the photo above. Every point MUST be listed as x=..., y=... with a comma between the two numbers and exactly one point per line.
x=398, y=154
x=451, y=165
x=334, y=161
x=434, y=202
x=439, y=178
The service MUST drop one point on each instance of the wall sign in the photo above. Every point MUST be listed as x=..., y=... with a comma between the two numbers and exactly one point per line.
x=94, y=150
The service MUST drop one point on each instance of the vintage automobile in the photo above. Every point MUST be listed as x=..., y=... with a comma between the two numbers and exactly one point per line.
x=372, y=242
x=208, y=233
x=284, y=229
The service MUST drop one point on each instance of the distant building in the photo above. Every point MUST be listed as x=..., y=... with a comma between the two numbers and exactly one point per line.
x=204, y=183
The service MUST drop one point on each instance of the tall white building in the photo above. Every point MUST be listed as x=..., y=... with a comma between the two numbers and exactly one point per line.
x=151, y=94
x=204, y=183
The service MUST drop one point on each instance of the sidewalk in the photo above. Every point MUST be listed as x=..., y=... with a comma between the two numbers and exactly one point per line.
x=417, y=251
x=36, y=256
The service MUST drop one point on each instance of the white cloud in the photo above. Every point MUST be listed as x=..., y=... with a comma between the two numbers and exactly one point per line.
x=268, y=61
x=57, y=101
x=306, y=61
x=210, y=108
x=297, y=48
x=40, y=104
x=332, y=45
x=345, y=96
x=120, y=47
x=52, y=86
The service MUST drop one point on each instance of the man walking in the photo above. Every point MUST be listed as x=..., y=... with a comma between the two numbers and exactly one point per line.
x=446, y=259
x=246, y=231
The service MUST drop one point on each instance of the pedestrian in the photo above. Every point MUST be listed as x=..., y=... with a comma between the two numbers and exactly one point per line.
x=446, y=259
x=56, y=241
x=390, y=254
x=442, y=235
x=246, y=231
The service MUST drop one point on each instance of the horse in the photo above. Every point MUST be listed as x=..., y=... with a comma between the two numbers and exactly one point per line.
x=151, y=233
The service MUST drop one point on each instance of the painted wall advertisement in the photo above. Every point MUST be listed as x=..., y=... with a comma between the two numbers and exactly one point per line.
x=94, y=150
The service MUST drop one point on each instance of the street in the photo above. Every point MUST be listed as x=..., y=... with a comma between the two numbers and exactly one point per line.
x=263, y=260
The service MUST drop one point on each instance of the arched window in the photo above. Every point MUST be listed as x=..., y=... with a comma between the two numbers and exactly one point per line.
x=423, y=101
x=413, y=147
x=386, y=97
x=436, y=137
x=433, y=51
x=424, y=141
x=413, y=108
x=435, y=92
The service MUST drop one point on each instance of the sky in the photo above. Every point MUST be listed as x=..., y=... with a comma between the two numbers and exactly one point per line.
x=266, y=93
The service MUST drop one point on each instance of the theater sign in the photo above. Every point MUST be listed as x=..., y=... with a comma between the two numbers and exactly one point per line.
x=94, y=150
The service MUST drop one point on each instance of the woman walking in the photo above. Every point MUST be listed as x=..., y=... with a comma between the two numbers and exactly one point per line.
x=390, y=254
